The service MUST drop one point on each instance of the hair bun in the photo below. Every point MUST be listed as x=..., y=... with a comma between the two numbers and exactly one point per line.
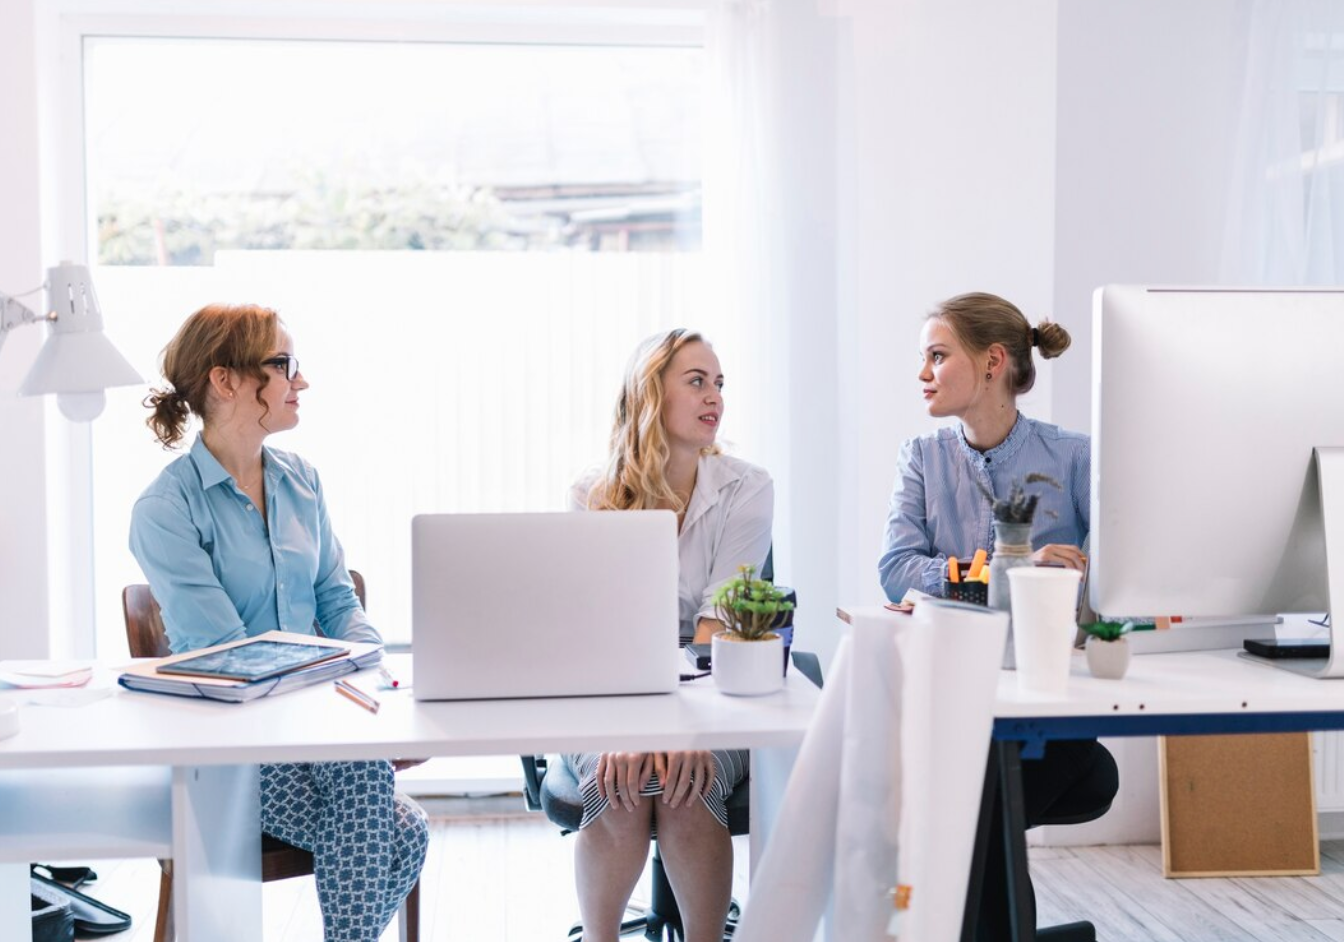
x=1050, y=338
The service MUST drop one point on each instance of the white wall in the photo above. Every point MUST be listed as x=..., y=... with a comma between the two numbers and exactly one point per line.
x=1034, y=149
x=23, y=535
x=948, y=186
x=1148, y=95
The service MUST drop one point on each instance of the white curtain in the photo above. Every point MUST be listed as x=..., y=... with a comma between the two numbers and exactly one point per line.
x=1285, y=223
x=772, y=231
x=742, y=236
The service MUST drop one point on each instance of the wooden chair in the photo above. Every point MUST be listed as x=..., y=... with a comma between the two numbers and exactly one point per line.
x=279, y=861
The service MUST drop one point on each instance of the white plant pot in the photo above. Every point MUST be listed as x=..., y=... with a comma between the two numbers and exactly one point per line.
x=747, y=668
x=1108, y=659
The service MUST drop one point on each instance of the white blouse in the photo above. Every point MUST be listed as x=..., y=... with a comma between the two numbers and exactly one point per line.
x=727, y=525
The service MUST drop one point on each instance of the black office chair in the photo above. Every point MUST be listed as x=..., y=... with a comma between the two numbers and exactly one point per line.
x=1066, y=813
x=1002, y=801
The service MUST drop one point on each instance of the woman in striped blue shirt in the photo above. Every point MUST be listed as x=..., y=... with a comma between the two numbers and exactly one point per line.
x=976, y=359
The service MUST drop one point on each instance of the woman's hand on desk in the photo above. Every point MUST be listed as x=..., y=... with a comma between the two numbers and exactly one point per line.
x=621, y=776
x=685, y=775
x=1060, y=554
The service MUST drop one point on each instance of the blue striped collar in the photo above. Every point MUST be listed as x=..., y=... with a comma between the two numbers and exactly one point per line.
x=1003, y=450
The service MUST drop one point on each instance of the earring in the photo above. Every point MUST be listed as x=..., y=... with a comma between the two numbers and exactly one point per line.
x=988, y=376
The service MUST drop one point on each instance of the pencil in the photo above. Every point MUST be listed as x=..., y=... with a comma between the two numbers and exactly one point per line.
x=355, y=695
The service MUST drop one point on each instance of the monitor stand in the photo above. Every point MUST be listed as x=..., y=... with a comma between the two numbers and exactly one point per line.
x=1330, y=475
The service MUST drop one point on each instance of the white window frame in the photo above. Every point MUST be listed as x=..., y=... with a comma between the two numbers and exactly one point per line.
x=63, y=27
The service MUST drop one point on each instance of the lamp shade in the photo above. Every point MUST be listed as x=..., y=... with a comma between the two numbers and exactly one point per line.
x=77, y=357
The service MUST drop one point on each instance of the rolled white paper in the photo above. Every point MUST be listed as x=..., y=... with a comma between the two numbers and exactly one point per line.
x=952, y=654
x=790, y=885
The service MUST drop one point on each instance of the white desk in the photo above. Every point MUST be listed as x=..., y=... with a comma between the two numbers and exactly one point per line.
x=1163, y=694
x=143, y=774
x=1173, y=685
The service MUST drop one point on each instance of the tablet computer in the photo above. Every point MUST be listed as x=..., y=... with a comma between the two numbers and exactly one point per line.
x=254, y=660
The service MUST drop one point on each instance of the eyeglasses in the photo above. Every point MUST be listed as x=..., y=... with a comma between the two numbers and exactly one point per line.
x=290, y=365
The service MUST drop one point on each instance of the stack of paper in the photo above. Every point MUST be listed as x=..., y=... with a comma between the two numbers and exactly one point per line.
x=36, y=675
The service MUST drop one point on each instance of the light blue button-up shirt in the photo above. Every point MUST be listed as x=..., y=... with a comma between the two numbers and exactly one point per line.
x=936, y=510
x=220, y=572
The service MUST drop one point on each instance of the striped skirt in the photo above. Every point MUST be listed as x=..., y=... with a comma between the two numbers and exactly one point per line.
x=730, y=770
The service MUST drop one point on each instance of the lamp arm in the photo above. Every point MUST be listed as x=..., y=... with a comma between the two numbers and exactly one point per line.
x=14, y=313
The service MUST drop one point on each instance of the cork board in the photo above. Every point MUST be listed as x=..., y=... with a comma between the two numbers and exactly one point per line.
x=1238, y=805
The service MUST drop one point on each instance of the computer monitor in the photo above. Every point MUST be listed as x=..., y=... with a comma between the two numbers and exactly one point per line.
x=1218, y=452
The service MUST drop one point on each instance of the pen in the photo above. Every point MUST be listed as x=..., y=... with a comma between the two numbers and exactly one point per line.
x=354, y=694
x=388, y=678
x=953, y=570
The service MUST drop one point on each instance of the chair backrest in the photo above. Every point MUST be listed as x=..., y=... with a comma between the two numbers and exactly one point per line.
x=145, y=634
x=144, y=622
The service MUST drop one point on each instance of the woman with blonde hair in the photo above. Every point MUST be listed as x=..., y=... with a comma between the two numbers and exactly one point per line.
x=975, y=360
x=235, y=540
x=664, y=455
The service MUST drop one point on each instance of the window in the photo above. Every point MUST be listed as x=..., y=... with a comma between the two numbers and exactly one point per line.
x=465, y=239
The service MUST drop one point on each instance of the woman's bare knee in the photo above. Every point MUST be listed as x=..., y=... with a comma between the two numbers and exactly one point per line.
x=689, y=818
x=619, y=824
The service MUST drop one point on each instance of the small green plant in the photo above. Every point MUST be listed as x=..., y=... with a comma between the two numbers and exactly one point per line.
x=748, y=606
x=1019, y=506
x=1109, y=630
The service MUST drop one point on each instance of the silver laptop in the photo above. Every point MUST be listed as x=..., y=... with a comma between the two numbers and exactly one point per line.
x=544, y=604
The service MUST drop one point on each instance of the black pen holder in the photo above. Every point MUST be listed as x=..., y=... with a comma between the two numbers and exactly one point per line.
x=976, y=593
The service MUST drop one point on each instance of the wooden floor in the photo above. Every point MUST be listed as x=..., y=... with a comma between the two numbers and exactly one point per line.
x=497, y=873
x=494, y=872
x=1122, y=891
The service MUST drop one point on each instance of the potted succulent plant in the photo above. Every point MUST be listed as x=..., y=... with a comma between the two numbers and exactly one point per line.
x=746, y=655
x=1108, y=648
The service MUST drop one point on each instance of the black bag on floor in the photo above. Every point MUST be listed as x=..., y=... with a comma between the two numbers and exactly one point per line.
x=53, y=918
x=88, y=915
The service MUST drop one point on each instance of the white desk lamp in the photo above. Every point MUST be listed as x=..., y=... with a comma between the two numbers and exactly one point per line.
x=77, y=362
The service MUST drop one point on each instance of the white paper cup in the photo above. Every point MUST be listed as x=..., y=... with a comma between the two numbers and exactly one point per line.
x=1045, y=606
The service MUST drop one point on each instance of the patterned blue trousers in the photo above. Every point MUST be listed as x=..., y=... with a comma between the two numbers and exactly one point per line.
x=368, y=844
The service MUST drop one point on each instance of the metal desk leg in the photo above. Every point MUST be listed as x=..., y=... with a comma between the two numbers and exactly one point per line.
x=1021, y=905
x=16, y=908
x=217, y=853
x=975, y=886
x=770, y=770
x=1001, y=806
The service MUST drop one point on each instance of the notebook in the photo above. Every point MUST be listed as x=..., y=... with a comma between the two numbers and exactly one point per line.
x=148, y=675
x=544, y=604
